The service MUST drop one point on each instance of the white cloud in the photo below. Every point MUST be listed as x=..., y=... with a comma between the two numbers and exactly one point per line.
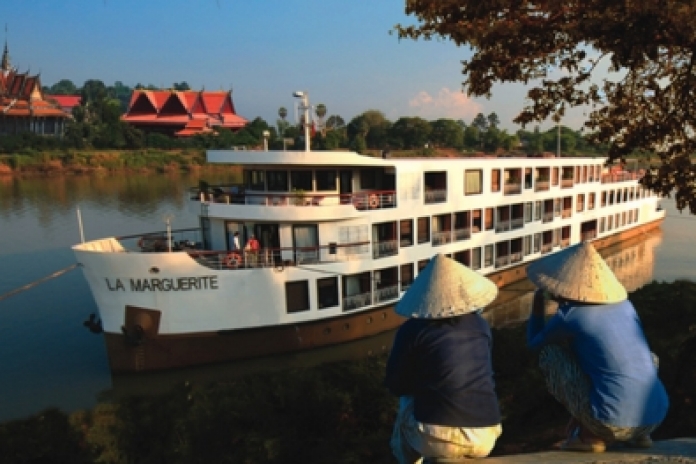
x=446, y=104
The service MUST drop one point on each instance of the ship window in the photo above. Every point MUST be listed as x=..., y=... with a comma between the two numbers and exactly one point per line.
x=495, y=180
x=301, y=180
x=537, y=210
x=537, y=243
x=296, y=296
x=277, y=181
x=406, y=232
x=255, y=180
x=368, y=179
x=591, y=202
x=423, y=229
x=473, y=180
x=422, y=263
x=580, y=203
x=327, y=292
x=527, y=244
x=488, y=219
x=554, y=177
x=326, y=180
x=476, y=220
x=601, y=225
x=406, y=276
x=528, y=209
x=476, y=258
x=488, y=255
x=205, y=233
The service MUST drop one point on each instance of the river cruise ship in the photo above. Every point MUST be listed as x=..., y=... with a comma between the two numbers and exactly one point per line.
x=341, y=237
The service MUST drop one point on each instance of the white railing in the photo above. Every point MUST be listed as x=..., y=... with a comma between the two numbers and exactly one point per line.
x=517, y=223
x=386, y=294
x=385, y=248
x=435, y=196
x=514, y=187
x=441, y=238
x=462, y=234
x=357, y=301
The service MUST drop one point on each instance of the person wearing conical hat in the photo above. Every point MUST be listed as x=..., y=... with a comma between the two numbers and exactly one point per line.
x=593, y=352
x=440, y=366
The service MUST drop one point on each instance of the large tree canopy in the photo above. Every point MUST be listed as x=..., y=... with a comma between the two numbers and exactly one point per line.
x=557, y=47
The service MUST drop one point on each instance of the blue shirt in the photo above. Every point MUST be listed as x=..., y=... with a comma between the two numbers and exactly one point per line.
x=445, y=364
x=610, y=346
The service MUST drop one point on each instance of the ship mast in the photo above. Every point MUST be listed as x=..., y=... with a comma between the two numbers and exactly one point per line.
x=304, y=106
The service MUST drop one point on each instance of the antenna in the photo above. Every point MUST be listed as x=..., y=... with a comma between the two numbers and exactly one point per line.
x=168, y=220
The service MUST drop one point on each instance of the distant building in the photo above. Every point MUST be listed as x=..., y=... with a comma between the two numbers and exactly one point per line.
x=66, y=102
x=182, y=113
x=23, y=107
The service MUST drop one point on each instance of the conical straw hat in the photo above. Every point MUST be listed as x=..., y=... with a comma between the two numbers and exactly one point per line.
x=446, y=288
x=577, y=273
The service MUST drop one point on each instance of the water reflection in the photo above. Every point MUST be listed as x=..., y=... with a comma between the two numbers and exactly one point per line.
x=633, y=262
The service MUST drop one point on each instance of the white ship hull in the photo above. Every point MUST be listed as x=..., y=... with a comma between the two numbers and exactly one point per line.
x=337, y=254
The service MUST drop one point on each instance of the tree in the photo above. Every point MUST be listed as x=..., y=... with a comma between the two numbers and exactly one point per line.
x=320, y=110
x=411, y=132
x=63, y=87
x=447, y=133
x=648, y=102
x=493, y=120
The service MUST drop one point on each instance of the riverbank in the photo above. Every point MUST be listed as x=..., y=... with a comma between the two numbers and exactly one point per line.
x=340, y=409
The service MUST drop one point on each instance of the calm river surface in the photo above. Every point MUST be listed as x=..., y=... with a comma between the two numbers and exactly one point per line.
x=47, y=357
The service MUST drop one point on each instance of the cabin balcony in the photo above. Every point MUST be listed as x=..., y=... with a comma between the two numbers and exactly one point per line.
x=442, y=238
x=566, y=213
x=588, y=235
x=385, y=248
x=462, y=234
x=620, y=177
x=435, y=196
x=547, y=216
x=567, y=183
x=546, y=247
x=357, y=301
x=386, y=294
x=541, y=185
x=512, y=188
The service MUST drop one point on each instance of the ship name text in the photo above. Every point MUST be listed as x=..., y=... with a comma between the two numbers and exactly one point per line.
x=164, y=285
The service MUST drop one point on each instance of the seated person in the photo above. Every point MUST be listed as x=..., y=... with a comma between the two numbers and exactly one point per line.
x=594, y=355
x=440, y=366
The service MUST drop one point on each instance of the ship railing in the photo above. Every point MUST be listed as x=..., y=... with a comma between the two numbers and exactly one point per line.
x=547, y=217
x=516, y=257
x=517, y=223
x=546, y=247
x=565, y=242
x=280, y=257
x=435, y=196
x=566, y=213
x=442, y=237
x=501, y=261
x=357, y=301
x=364, y=200
x=588, y=235
x=620, y=177
x=386, y=294
x=513, y=187
x=385, y=248
x=541, y=185
x=502, y=225
x=462, y=234
x=567, y=183
x=158, y=241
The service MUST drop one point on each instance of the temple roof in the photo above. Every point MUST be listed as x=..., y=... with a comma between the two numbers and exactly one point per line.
x=183, y=108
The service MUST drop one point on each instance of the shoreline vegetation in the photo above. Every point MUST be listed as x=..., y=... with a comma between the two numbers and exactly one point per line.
x=31, y=162
x=339, y=409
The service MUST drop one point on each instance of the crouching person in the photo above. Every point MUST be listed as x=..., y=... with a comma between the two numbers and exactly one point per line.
x=593, y=353
x=440, y=366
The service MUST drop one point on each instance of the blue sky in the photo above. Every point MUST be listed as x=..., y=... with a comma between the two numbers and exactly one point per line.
x=340, y=52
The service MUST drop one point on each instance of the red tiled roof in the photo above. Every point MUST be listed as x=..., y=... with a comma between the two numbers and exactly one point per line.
x=182, y=107
x=65, y=100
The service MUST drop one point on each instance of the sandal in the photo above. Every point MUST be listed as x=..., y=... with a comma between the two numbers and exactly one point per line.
x=575, y=443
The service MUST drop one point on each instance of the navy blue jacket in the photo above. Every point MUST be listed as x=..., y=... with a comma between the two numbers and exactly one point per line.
x=445, y=364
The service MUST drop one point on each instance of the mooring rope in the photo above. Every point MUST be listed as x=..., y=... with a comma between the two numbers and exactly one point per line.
x=37, y=282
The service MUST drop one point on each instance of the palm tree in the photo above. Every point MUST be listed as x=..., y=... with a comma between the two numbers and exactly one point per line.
x=320, y=110
x=282, y=112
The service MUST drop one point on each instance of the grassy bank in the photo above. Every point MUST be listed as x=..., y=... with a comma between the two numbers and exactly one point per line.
x=338, y=412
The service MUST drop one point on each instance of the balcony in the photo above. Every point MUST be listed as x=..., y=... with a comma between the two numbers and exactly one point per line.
x=385, y=248
x=546, y=247
x=386, y=294
x=566, y=213
x=357, y=301
x=512, y=188
x=541, y=185
x=442, y=238
x=547, y=217
x=567, y=183
x=462, y=234
x=435, y=196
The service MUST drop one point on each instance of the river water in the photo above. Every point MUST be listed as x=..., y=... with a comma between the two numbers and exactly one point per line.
x=49, y=359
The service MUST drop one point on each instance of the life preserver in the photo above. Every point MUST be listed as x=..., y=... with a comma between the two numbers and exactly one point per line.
x=373, y=201
x=233, y=260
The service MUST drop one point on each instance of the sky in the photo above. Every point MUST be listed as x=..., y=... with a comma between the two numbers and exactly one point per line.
x=339, y=52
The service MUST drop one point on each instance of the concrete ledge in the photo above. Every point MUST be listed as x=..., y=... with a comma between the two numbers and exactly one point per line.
x=678, y=450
